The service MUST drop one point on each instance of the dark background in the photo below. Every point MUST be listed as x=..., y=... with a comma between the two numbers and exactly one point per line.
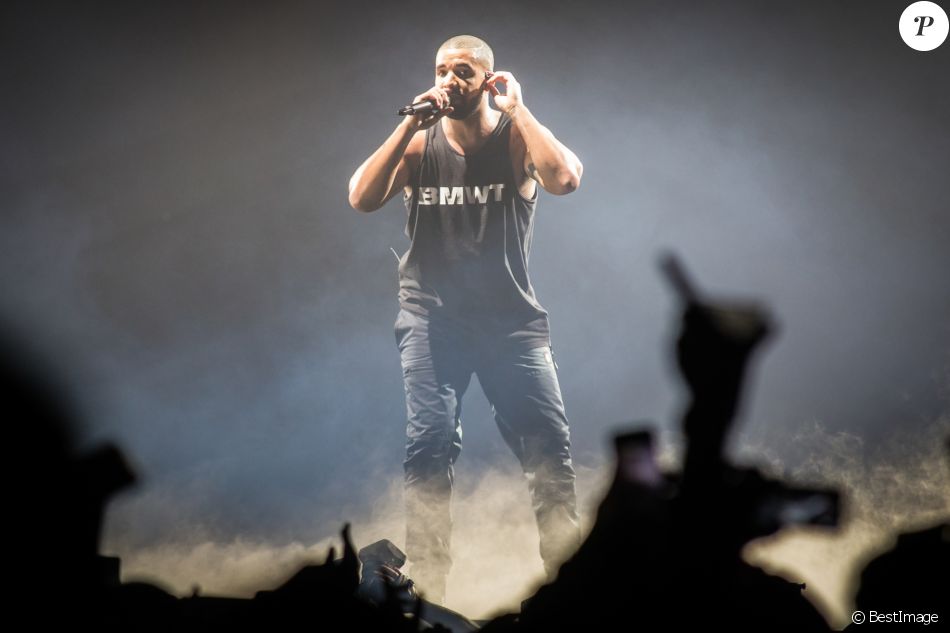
x=176, y=234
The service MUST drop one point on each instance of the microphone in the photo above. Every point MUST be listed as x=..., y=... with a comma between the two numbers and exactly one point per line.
x=420, y=107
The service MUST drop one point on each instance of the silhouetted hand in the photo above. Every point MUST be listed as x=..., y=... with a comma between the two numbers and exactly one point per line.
x=715, y=343
x=713, y=349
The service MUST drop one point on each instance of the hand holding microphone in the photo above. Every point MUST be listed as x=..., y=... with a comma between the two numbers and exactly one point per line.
x=428, y=108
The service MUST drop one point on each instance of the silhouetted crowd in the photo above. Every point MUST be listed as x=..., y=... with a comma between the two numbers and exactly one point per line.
x=664, y=551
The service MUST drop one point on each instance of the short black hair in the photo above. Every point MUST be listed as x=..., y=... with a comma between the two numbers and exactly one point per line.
x=481, y=51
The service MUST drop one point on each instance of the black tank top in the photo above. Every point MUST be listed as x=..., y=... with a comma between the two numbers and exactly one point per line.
x=471, y=230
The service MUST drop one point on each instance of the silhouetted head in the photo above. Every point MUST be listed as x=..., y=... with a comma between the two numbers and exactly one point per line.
x=55, y=494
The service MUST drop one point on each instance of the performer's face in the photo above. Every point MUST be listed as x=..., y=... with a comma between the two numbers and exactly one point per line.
x=457, y=71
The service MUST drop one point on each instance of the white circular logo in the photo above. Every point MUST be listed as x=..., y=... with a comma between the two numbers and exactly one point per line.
x=923, y=26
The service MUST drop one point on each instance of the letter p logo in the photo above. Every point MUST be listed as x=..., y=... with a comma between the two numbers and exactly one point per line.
x=923, y=26
x=925, y=21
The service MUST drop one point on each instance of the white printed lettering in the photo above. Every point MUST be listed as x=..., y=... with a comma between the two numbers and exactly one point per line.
x=450, y=195
x=427, y=195
x=460, y=195
x=476, y=194
x=498, y=188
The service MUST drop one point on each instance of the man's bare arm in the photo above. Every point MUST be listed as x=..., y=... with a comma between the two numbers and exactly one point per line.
x=387, y=170
x=547, y=160
x=556, y=168
x=384, y=173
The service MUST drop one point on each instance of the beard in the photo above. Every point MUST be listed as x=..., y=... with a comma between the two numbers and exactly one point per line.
x=462, y=107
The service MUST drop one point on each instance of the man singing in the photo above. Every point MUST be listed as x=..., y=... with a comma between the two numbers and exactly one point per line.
x=470, y=177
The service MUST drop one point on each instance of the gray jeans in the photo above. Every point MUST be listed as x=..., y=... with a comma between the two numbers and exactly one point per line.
x=521, y=384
